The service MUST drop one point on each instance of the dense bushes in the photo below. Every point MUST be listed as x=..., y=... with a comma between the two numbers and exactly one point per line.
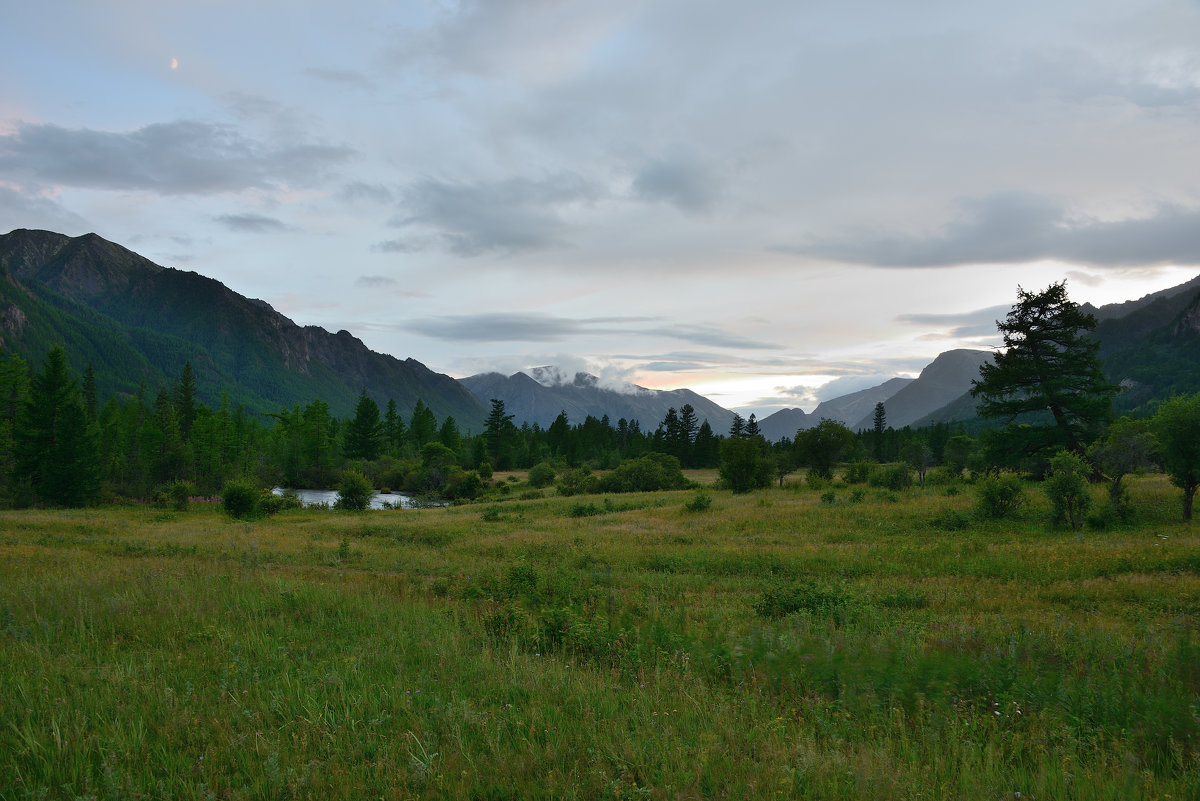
x=1000, y=496
x=654, y=471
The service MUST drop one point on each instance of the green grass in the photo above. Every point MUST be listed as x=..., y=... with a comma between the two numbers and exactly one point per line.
x=773, y=645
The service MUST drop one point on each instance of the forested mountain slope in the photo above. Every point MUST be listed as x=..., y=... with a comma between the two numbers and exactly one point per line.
x=137, y=323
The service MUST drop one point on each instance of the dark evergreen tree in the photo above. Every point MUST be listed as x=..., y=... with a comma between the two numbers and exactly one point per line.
x=450, y=436
x=880, y=426
x=364, y=431
x=185, y=400
x=752, y=427
x=89, y=393
x=738, y=427
x=422, y=426
x=498, y=429
x=393, y=429
x=14, y=386
x=1048, y=365
x=56, y=451
x=706, y=449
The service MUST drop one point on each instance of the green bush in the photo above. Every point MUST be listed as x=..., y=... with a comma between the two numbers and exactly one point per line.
x=578, y=482
x=809, y=596
x=857, y=473
x=894, y=477
x=270, y=503
x=180, y=492
x=1067, y=488
x=354, y=492
x=240, y=499
x=1000, y=496
x=541, y=475
x=649, y=473
x=700, y=502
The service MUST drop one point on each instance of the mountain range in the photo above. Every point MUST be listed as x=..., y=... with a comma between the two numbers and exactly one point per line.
x=137, y=323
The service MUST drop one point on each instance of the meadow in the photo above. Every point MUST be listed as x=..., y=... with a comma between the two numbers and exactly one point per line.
x=787, y=643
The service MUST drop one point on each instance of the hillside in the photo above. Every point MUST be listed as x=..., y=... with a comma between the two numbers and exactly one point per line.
x=137, y=323
x=533, y=401
x=946, y=378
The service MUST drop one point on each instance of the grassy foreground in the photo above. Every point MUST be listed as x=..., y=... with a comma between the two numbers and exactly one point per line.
x=775, y=645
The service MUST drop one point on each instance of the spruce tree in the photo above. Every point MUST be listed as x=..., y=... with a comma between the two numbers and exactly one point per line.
x=364, y=432
x=1048, y=365
x=56, y=450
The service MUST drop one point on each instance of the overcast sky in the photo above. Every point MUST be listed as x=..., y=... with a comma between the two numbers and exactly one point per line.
x=749, y=199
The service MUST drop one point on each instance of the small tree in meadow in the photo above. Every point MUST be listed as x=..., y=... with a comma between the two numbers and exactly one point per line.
x=354, y=492
x=541, y=475
x=1067, y=488
x=1177, y=426
x=1000, y=496
x=240, y=499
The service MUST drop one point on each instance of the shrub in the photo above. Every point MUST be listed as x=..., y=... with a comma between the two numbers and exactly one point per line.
x=269, y=503
x=354, y=492
x=828, y=497
x=1000, y=496
x=584, y=510
x=649, y=473
x=240, y=499
x=745, y=464
x=1067, y=488
x=809, y=596
x=577, y=482
x=179, y=492
x=857, y=473
x=816, y=480
x=485, y=470
x=894, y=477
x=541, y=475
x=700, y=502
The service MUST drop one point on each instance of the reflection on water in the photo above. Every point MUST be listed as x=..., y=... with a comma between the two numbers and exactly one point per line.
x=319, y=497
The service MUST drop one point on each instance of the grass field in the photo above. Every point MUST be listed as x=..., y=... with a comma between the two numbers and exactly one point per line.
x=775, y=645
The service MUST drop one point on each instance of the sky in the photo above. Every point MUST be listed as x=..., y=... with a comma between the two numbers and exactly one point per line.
x=770, y=202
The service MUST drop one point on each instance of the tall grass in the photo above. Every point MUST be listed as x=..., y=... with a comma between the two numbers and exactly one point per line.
x=770, y=645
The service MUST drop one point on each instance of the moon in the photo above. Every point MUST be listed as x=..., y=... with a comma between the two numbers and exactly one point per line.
x=174, y=63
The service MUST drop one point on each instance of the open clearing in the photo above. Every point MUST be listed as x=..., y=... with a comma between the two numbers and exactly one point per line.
x=776, y=645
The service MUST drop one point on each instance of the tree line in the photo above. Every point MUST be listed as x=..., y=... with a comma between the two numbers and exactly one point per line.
x=60, y=446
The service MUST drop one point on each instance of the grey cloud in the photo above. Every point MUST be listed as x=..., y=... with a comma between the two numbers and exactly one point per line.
x=396, y=246
x=510, y=216
x=670, y=367
x=498, y=327
x=1018, y=227
x=361, y=191
x=351, y=78
x=680, y=181
x=534, y=327
x=37, y=212
x=251, y=223
x=711, y=336
x=979, y=323
x=182, y=157
x=375, y=282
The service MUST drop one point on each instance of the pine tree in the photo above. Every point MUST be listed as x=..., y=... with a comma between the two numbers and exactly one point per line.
x=56, y=451
x=185, y=401
x=738, y=427
x=879, y=427
x=364, y=432
x=422, y=426
x=1048, y=365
